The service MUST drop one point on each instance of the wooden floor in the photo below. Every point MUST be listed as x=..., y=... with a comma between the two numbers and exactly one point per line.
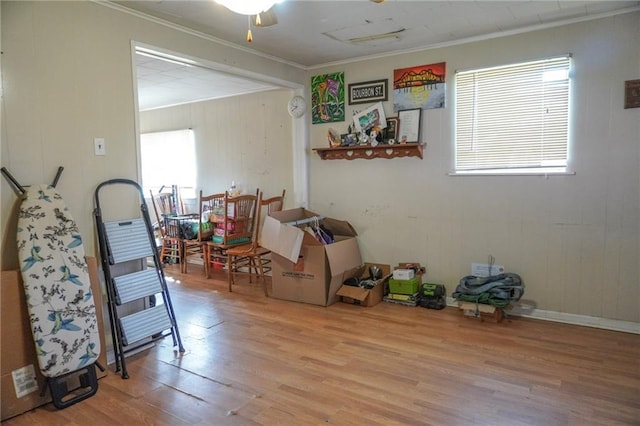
x=252, y=360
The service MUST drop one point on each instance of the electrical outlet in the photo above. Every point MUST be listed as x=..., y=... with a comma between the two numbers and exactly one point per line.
x=482, y=269
x=100, y=146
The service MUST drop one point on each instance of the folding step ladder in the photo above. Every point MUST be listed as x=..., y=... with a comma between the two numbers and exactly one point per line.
x=125, y=241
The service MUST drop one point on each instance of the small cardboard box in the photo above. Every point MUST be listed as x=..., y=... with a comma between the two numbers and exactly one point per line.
x=403, y=274
x=19, y=388
x=481, y=311
x=362, y=296
x=412, y=265
x=304, y=269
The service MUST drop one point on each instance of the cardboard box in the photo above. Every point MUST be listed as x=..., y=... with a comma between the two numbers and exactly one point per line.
x=21, y=381
x=304, y=269
x=362, y=296
x=419, y=270
x=481, y=311
x=403, y=274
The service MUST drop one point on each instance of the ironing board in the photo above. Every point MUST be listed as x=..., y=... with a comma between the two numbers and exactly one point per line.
x=58, y=293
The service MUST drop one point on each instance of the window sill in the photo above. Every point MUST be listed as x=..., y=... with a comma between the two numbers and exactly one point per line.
x=514, y=173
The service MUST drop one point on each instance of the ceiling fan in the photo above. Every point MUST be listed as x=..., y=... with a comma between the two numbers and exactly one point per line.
x=259, y=12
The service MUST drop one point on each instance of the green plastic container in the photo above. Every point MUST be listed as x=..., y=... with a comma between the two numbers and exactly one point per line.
x=433, y=290
x=404, y=286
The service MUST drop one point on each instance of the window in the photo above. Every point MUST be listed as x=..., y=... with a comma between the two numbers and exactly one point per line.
x=168, y=158
x=513, y=119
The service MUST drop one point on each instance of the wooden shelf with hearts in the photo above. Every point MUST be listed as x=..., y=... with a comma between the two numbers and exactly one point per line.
x=369, y=152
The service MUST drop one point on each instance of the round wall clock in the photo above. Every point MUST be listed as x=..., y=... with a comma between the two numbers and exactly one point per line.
x=297, y=106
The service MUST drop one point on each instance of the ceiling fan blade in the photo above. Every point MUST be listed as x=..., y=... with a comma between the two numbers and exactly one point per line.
x=267, y=18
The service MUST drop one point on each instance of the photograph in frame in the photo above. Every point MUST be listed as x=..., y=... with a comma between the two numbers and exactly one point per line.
x=391, y=132
x=348, y=139
x=371, y=117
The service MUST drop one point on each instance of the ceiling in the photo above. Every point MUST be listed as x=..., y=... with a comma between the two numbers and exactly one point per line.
x=310, y=34
x=163, y=83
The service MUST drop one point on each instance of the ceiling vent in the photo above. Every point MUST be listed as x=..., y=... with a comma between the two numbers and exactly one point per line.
x=371, y=32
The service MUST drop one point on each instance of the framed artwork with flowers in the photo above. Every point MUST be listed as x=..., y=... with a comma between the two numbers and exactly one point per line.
x=327, y=98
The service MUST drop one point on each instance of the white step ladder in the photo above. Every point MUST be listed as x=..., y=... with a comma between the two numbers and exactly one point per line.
x=124, y=241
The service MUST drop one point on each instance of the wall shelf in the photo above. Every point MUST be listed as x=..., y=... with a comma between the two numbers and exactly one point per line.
x=368, y=152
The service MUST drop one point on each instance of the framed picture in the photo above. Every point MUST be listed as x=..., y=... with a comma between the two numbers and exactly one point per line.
x=327, y=98
x=419, y=86
x=370, y=117
x=348, y=139
x=368, y=91
x=391, y=132
x=632, y=94
x=409, y=125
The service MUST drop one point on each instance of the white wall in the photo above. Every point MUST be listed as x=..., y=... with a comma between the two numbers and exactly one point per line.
x=573, y=239
x=246, y=139
x=68, y=77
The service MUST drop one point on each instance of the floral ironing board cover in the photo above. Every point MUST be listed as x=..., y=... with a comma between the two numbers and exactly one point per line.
x=56, y=284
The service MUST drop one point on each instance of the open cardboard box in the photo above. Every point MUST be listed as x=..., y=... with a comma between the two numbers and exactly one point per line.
x=304, y=269
x=362, y=296
x=21, y=379
x=420, y=269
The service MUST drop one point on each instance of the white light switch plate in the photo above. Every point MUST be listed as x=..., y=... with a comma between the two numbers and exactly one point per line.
x=100, y=147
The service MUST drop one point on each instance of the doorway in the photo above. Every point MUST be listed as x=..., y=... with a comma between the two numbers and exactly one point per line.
x=167, y=79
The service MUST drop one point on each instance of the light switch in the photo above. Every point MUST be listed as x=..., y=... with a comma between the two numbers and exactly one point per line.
x=101, y=148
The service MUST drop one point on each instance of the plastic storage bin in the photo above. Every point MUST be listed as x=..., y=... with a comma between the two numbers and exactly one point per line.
x=404, y=286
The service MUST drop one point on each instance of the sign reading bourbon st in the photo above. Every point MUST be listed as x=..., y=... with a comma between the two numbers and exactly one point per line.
x=368, y=91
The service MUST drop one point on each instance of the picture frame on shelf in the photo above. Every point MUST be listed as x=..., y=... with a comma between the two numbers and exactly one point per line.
x=391, y=131
x=409, y=125
x=370, y=117
x=348, y=139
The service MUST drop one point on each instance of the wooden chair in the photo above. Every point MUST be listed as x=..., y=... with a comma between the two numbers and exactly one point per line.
x=171, y=243
x=208, y=206
x=186, y=192
x=248, y=256
x=273, y=204
x=268, y=205
x=163, y=203
x=234, y=227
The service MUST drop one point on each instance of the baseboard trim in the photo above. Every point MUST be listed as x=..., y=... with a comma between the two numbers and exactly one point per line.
x=562, y=317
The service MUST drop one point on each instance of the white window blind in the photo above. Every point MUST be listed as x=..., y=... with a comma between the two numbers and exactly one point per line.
x=513, y=118
x=168, y=158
